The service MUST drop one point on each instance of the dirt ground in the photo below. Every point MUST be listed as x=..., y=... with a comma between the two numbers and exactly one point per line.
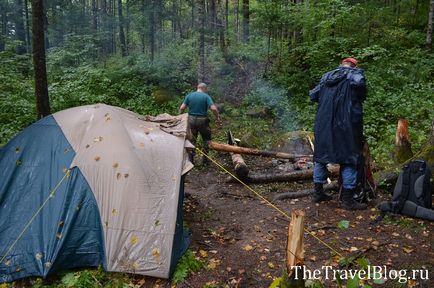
x=243, y=240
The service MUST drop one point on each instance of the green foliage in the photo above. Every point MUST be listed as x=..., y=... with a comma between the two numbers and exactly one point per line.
x=343, y=224
x=186, y=265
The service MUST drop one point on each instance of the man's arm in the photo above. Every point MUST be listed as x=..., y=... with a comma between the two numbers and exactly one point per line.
x=216, y=113
x=182, y=108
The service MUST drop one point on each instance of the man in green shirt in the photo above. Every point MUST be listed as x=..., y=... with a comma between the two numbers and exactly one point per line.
x=198, y=104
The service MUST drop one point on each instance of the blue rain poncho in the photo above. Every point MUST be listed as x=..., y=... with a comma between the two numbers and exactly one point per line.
x=339, y=118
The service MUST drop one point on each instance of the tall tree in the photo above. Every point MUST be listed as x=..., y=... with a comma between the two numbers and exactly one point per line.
x=4, y=24
x=26, y=11
x=152, y=29
x=121, y=30
x=246, y=21
x=19, y=26
x=201, y=68
x=39, y=65
x=430, y=25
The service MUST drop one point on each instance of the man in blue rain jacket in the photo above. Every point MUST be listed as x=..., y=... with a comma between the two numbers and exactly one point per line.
x=339, y=128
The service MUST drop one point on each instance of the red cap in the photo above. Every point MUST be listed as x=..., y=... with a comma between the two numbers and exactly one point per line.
x=351, y=60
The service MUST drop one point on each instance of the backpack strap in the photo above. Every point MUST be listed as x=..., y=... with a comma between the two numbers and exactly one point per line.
x=405, y=189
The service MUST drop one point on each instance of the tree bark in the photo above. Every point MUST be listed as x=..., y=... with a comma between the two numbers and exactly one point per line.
x=39, y=65
x=430, y=25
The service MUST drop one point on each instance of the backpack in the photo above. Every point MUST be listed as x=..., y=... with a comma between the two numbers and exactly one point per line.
x=412, y=195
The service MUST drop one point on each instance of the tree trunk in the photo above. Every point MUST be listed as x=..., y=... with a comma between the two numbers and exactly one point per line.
x=39, y=66
x=143, y=24
x=19, y=27
x=121, y=30
x=402, y=142
x=152, y=29
x=201, y=68
x=246, y=20
x=28, y=41
x=4, y=25
x=95, y=16
x=430, y=25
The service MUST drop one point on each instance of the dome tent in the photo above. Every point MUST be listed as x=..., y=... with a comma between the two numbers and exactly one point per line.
x=93, y=185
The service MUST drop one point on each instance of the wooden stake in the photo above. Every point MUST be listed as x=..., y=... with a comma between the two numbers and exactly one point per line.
x=295, y=246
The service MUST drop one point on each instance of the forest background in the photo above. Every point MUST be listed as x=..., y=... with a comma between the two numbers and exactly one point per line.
x=258, y=56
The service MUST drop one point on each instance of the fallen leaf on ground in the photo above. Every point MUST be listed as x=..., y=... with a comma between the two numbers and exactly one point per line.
x=203, y=253
x=247, y=247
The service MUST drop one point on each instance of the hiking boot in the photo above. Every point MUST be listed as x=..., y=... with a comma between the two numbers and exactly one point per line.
x=348, y=202
x=319, y=195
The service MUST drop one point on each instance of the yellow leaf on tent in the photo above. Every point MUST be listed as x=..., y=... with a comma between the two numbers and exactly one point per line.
x=115, y=165
x=97, y=158
x=115, y=211
x=58, y=236
x=203, y=253
x=134, y=240
x=156, y=252
x=87, y=146
x=98, y=139
x=126, y=175
x=118, y=176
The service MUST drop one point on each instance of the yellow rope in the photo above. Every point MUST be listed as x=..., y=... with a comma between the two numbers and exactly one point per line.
x=50, y=195
x=267, y=201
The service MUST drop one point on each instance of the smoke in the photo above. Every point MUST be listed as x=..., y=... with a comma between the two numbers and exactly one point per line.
x=276, y=100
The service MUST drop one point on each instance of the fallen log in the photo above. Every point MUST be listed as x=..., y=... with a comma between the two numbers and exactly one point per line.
x=284, y=177
x=241, y=169
x=250, y=151
x=304, y=193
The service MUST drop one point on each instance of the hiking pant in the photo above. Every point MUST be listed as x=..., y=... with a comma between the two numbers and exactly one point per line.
x=199, y=125
x=349, y=174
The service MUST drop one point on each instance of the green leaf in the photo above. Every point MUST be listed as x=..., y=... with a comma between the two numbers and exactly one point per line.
x=343, y=224
x=70, y=280
x=276, y=283
x=353, y=282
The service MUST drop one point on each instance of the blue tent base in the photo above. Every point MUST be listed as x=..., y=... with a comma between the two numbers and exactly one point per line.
x=46, y=224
